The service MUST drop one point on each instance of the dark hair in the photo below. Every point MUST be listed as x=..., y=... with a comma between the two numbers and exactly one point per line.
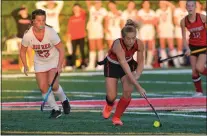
x=112, y=1
x=34, y=14
x=38, y=12
x=77, y=4
x=130, y=26
x=191, y=1
x=145, y=1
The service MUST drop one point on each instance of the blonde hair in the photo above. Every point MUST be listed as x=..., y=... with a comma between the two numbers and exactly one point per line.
x=130, y=26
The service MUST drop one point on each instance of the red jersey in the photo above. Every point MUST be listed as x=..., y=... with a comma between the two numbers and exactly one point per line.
x=76, y=26
x=128, y=53
x=197, y=31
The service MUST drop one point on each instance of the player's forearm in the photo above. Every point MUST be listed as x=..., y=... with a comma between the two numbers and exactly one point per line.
x=61, y=57
x=140, y=68
x=128, y=72
x=23, y=57
x=40, y=5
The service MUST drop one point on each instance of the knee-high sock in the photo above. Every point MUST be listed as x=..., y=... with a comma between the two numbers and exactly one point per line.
x=92, y=59
x=51, y=101
x=181, y=59
x=163, y=55
x=204, y=72
x=175, y=61
x=60, y=94
x=121, y=106
x=149, y=57
x=197, y=83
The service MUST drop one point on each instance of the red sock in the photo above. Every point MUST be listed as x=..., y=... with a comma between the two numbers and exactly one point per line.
x=197, y=83
x=121, y=107
x=204, y=72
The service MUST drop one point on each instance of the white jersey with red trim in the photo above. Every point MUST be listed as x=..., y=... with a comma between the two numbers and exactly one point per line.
x=180, y=14
x=114, y=26
x=95, y=22
x=149, y=28
x=46, y=55
x=129, y=15
x=165, y=25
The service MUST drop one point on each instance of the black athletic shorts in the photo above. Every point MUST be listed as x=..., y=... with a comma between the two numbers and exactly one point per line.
x=115, y=70
x=193, y=48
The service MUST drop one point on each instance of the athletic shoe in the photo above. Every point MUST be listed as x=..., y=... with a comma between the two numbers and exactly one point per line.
x=55, y=114
x=107, y=111
x=198, y=94
x=66, y=106
x=117, y=121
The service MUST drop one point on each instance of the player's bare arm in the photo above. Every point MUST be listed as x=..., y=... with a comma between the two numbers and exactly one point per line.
x=183, y=29
x=140, y=59
x=117, y=49
x=22, y=54
x=61, y=50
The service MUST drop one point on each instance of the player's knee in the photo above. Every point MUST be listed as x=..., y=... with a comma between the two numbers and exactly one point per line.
x=199, y=68
x=43, y=88
x=127, y=94
x=55, y=87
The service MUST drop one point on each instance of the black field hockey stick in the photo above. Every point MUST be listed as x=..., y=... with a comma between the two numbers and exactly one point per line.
x=153, y=109
x=181, y=55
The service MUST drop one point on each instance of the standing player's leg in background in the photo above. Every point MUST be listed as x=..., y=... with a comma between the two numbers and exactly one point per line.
x=92, y=55
x=101, y=54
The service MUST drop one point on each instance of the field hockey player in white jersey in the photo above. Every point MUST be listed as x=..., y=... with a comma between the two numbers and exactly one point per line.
x=165, y=31
x=49, y=56
x=95, y=29
x=179, y=14
x=113, y=23
x=147, y=18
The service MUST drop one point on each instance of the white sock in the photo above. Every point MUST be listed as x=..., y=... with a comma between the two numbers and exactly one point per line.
x=51, y=101
x=175, y=61
x=60, y=94
x=92, y=59
x=149, y=57
x=163, y=55
x=181, y=59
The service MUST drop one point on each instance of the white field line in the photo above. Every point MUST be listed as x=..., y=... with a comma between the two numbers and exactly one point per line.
x=102, y=81
x=163, y=72
x=162, y=114
x=83, y=94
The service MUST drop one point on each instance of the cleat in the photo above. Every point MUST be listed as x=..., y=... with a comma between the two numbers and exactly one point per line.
x=107, y=111
x=116, y=121
x=198, y=94
x=55, y=114
x=66, y=106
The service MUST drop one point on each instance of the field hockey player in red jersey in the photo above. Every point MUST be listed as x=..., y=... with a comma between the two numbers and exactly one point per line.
x=119, y=64
x=195, y=23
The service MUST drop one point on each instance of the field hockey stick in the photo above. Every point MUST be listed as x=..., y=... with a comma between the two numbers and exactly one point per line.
x=153, y=109
x=181, y=55
x=48, y=92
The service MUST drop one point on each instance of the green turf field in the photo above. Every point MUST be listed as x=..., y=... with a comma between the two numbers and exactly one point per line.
x=30, y=120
